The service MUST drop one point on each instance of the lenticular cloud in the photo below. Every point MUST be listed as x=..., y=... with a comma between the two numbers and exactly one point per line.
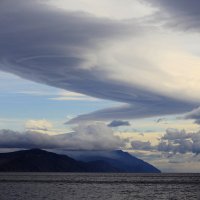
x=77, y=51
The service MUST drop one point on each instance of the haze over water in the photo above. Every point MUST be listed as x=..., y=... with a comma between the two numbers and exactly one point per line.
x=64, y=186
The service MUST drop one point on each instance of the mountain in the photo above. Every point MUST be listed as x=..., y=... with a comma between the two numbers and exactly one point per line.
x=37, y=160
x=120, y=160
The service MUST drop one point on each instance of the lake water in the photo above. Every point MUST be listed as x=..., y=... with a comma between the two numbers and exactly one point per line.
x=73, y=186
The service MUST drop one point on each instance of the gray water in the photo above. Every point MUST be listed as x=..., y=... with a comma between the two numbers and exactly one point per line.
x=73, y=186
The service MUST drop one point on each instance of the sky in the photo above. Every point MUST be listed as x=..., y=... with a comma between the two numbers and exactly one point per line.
x=109, y=74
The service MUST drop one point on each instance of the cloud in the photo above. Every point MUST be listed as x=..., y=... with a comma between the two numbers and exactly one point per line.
x=38, y=125
x=160, y=120
x=72, y=96
x=139, y=145
x=98, y=57
x=85, y=137
x=179, y=14
x=117, y=123
x=120, y=9
x=174, y=134
x=137, y=111
x=173, y=141
x=194, y=114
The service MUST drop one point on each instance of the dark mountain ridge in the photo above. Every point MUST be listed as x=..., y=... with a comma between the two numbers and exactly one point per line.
x=37, y=160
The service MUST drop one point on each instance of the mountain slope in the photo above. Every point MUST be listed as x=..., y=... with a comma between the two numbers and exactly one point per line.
x=121, y=160
x=36, y=160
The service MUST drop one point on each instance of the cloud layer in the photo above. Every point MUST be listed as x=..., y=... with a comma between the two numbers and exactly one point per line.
x=85, y=137
x=99, y=57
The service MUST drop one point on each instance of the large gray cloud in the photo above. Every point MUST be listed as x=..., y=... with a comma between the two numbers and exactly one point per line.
x=56, y=47
x=84, y=137
x=179, y=14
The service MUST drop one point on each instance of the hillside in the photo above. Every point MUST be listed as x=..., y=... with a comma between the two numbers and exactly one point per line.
x=121, y=160
x=37, y=160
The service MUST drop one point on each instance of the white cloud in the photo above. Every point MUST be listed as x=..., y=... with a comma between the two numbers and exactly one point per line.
x=38, y=125
x=72, y=96
x=120, y=9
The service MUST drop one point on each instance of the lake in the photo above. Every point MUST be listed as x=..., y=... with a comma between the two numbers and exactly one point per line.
x=89, y=186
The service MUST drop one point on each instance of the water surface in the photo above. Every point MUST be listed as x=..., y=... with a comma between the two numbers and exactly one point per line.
x=73, y=186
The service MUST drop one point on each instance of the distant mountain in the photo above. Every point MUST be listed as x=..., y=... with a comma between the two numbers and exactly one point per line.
x=120, y=160
x=36, y=160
